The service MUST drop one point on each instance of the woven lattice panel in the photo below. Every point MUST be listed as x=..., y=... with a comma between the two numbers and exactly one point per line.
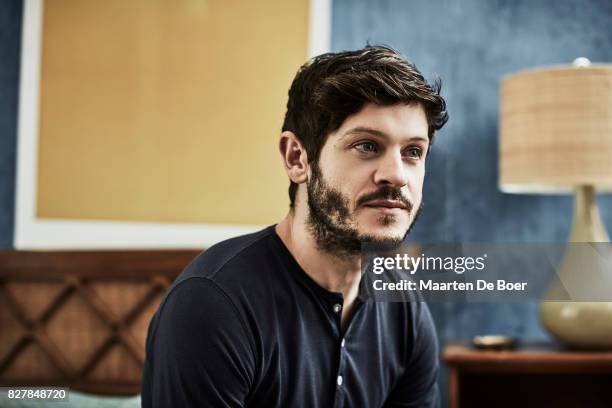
x=80, y=319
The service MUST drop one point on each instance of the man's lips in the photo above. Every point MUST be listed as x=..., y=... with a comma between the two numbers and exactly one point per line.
x=386, y=204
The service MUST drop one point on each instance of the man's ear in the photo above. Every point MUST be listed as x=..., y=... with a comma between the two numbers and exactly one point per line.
x=294, y=156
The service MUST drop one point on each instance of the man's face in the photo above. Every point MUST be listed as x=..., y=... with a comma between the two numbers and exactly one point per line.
x=367, y=185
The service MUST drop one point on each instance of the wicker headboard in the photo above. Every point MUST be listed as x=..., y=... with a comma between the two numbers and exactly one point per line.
x=80, y=319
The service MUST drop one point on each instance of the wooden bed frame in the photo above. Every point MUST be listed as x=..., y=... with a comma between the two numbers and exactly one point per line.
x=79, y=319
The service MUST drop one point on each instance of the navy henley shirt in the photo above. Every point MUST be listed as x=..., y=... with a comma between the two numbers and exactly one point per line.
x=245, y=326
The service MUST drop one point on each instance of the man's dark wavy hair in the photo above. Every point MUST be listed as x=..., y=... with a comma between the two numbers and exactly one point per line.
x=331, y=87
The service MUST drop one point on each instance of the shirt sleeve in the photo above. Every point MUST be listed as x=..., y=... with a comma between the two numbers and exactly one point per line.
x=198, y=351
x=419, y=385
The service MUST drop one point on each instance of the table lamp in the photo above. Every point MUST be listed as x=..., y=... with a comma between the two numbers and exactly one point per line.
x=556, y=137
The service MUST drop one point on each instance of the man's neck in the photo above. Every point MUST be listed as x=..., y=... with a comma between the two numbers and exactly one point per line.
x=328, y=271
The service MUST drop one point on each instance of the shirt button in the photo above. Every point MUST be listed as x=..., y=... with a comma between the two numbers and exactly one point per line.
x=342, y=343
x=339, y=380
x=337, y=308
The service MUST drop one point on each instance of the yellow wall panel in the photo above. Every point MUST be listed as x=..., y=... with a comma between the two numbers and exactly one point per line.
x=166, y=110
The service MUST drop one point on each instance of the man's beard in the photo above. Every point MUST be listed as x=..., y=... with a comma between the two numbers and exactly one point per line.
x=331, y=223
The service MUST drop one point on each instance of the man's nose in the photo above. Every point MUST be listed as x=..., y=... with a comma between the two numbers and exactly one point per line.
x=391, y=170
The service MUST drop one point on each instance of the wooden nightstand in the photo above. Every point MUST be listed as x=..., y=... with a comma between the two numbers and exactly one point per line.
x=532, y=375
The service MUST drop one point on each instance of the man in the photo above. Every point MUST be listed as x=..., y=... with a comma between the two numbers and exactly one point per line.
x=274, y=319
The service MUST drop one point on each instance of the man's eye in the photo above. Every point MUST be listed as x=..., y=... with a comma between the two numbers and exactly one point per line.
x=366, y=147
x=414, y=152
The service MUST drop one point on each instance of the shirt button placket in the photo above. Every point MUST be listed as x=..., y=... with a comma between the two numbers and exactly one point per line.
x=339, y=400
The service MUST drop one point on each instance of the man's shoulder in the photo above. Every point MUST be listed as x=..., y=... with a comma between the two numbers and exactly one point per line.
x=222, y=279
x=232, y=258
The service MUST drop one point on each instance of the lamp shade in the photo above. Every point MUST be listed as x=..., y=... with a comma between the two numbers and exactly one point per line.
x=556, y=129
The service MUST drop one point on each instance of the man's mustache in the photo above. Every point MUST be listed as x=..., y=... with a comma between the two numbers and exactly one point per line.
x=386, y=193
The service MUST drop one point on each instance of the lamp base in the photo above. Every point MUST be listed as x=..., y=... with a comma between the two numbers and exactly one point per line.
x=585, y=325
x=582, y=325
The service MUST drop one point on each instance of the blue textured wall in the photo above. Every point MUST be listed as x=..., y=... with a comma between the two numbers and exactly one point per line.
x=471, y=44
x=10, y=42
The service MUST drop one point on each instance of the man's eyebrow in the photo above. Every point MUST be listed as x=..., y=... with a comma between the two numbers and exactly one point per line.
x=375, y=132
